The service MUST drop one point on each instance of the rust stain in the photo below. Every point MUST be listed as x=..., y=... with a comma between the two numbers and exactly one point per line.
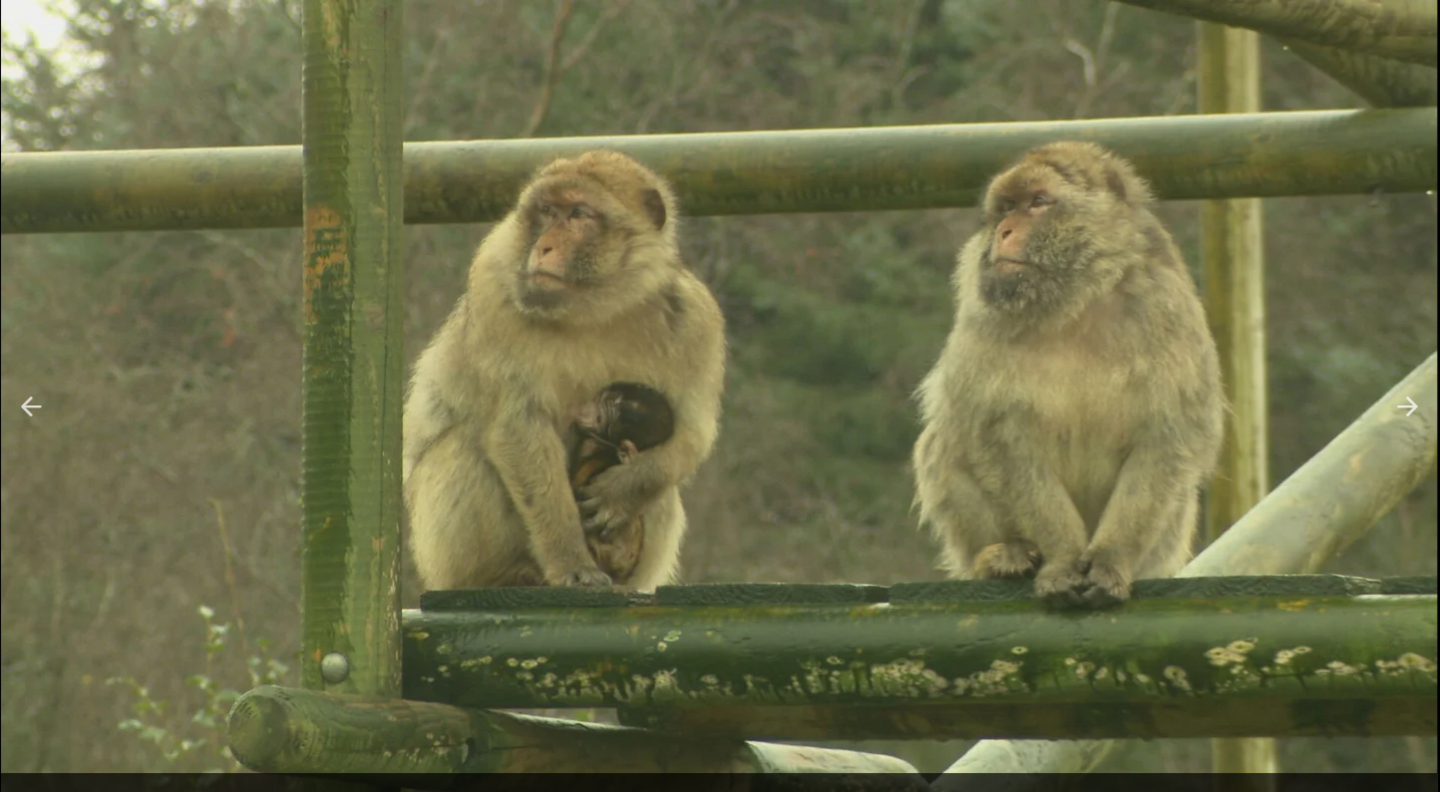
x=374, y=316
x=325, y=247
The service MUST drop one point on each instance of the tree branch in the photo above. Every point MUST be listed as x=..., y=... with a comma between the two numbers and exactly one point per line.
x=612, y=10
x=553, y=69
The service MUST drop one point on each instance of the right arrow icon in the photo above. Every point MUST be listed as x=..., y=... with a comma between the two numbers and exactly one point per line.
x=1409, y=406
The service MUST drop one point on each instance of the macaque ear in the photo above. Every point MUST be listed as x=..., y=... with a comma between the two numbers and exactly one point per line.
x=1115, y=180
x=654, y=207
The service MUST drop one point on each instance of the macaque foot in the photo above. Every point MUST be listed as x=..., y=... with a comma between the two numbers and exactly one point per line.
x=610, y=501
x=1088, y=582
x=1058, y=581
x=590, y=577
x=600, y=520
x=1107, y=584
x=1018, y=559
x=626, y=451
x=602, y=532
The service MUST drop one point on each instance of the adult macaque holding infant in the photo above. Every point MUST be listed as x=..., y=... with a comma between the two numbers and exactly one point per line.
x=578, y=288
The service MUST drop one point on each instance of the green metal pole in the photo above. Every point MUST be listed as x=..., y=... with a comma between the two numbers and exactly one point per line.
x=1381, y=81
x=1325, y=152
x=353, y=375
x=282, y=730
x=1389, y=30
x=1183, y=658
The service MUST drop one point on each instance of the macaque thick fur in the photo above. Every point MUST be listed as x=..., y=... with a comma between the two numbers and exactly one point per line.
x=624, y=420
x=579, y=287
x=1076, y=409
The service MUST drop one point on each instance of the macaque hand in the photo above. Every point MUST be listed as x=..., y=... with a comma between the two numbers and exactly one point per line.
x=612, y=499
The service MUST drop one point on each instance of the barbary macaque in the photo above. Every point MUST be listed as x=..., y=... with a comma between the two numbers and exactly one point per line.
x=1076, y=409
x=611, y=430
x=579, y=287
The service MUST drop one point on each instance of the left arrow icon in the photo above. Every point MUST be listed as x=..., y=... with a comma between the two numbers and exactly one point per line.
x=27, y=406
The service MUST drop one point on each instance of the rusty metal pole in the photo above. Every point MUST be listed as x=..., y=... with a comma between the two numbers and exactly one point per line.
x=353, y=371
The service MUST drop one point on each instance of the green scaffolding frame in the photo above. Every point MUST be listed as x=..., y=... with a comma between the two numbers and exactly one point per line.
x=352, y=183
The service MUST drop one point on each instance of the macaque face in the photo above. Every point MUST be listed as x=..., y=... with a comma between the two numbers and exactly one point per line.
x=567, y=229
x=599, y=417
x=628, y=411
x=1021, y=209
x=1036, y=247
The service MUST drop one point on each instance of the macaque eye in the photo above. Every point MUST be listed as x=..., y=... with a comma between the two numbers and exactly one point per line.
x=1040, y=199
x=576, y=213
x=546, y=210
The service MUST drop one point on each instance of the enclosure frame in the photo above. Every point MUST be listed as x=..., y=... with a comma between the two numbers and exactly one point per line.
x=353, y=184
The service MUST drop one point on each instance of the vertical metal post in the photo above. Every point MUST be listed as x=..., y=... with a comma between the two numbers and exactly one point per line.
x=353, y=370
x=1234, y=274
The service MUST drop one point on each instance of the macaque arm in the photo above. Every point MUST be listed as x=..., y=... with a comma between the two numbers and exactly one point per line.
x=427, y=414
x=1045, y=513
x=424, y=426
x=958, y=513
x=1150, y=488
x=1028, y=493
x=676, y=459
x=619, y=494
x=530, y=458
x=1031, y=497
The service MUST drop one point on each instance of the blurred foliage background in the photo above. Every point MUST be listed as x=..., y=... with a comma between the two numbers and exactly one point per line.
x=162, y=474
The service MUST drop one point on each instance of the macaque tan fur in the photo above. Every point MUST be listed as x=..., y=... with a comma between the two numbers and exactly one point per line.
x=611, y=430
x=580, y=286
x=1076, y=409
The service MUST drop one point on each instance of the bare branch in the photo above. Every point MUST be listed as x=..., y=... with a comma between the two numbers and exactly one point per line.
x=552, y=69
x=611, y=11
x=679, y=72
x=229, y=551
x=422, y=85
x=1094, y=62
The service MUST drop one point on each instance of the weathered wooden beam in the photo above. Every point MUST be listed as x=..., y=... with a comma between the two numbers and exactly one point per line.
x=1232, y=258
x=1382, y=82
x=426, y=745
x=1320, y=510
x=1336, y=497
x=354, y=364
x=949, y=660
x=1407, y=34
x=735, y=173
x=1233, y=267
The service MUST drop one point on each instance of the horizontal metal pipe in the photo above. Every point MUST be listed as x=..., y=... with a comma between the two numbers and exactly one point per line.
x=1149, y=662
x=431, y=746
x=1388, y=29
x=735, y=173
x=1020, y=724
